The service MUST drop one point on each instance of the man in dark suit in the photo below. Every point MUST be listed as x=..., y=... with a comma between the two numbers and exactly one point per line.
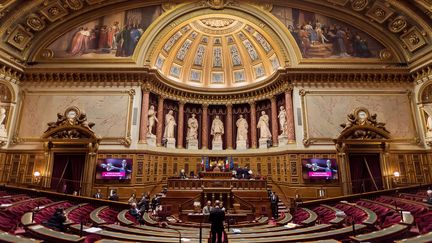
x=114, y=196
x=274, y=199
x=98, y=194
x=217, y=218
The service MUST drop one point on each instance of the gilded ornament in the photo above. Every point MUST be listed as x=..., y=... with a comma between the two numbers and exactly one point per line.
x=217, y=22
x=397, y=25
x=379, y=12
x=168, y=6
x=74, y=4
x=47, y=54
x=385, y=55
x=359, y=5
x=413, y=39
x=19, y=38
x=35, y=22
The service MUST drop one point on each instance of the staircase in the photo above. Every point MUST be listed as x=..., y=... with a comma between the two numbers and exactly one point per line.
x=282, y=208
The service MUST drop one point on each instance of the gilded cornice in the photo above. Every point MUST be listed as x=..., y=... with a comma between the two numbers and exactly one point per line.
x=392, y=22
x=423, y=75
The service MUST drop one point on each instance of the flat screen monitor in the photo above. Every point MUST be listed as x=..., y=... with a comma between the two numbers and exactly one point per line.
x=320, y=169
x=114, y=169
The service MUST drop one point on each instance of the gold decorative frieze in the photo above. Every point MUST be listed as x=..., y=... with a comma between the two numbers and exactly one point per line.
x=339, y=2
x=413, y=39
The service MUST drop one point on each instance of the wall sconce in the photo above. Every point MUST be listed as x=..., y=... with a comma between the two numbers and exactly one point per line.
x=37, y=177
x=396, y=176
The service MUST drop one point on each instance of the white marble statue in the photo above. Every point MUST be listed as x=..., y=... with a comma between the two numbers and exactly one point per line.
x=217, y=129
x=152, y=119
x=428, y=110
x=263, y=126
x=192, y=132
x=242, y=129
x=170, y=123
x=3, y=132
x=283, y=122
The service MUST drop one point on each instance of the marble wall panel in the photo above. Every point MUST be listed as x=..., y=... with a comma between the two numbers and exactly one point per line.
x=326, y=111
x=108, y=111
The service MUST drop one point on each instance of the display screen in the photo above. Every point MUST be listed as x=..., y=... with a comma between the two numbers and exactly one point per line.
x=114, y=169
x=320, y=169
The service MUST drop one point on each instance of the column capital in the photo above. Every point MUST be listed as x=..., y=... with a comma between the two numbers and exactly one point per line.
x=181, y=102
x=163, y=97
x=252, y=103
x=273, y=99
x=229, y=105
x=205, y=105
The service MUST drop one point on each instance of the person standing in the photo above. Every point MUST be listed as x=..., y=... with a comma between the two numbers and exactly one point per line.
x=98, y=194
x=274, y=200
x=217, y=218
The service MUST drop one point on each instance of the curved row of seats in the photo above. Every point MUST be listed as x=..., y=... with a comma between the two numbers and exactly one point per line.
x=375, y=220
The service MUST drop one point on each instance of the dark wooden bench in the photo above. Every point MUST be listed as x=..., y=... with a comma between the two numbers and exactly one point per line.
x=330, y=234
x=121, y=217
x=336, y=220
x=94, y=215
x=148, y=219
x=418, y=239
x=381, y=235
x=6, y=237
x=371, y=218
x=162, y=233
x=46, y=233
x=130, y=237
x=285, y=220
x=312, y=217
x=315, y=228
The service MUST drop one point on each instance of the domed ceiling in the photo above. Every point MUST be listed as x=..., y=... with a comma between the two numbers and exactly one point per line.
x=217, y=50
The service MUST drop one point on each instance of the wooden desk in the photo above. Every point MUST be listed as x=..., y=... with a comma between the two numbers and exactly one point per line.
x=217, y=175
x=199, y=217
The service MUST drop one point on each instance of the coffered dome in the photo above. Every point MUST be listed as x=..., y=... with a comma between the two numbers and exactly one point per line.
x=217, y=51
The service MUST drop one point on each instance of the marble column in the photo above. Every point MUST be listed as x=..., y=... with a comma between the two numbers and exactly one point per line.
x=145, y=104
x=160, y=124
x=290, y=116
x=180, y=125
x=274, y=119
x=229, y=125
x=253, y=125
x=204, y=132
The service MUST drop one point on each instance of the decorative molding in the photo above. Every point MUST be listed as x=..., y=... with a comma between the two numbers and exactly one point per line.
x=72, y=124
x=363, y=125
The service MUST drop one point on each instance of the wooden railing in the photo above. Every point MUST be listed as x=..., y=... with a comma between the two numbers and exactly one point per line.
x=197, y=184
x=189, y=203
x=244, y=204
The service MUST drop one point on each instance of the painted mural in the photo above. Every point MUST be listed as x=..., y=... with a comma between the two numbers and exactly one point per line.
x=318, y=36
x=110, y=36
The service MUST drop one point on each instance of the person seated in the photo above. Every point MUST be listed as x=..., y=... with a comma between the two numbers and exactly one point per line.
x=192, y=174
x=182, y=174
x=57, y=220
x=114, y=196
x=216, y=169
x=136, y=213
x=132, y=199
x=207, y=208
x=144, y=203
x=98, y=194
x=428, y=197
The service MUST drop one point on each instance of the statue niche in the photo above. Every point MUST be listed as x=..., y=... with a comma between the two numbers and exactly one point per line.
x=72, y=124
x=361, y=125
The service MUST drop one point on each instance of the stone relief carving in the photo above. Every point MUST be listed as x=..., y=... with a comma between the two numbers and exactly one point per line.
x=72, y=124
x=217, y=22
x=362, y=125
x=35, y=22
x=398, y=24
